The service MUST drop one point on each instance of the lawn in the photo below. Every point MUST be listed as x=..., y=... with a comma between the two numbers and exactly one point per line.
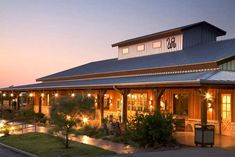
x=45, y=145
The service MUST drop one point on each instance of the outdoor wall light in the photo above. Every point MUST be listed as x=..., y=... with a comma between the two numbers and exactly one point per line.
x=89, y=94
x=11, y=94
x=42, y=94
x=20, y=94
x=151, y=101
x=208, y=96
x=4, y=94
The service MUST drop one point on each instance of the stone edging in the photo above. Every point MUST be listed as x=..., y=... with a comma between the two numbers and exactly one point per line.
x=18, y=150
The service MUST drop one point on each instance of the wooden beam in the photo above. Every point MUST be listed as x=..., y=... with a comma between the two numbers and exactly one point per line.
x=158, y=92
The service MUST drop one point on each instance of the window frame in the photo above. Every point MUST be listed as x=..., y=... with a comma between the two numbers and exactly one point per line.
x=159, y=41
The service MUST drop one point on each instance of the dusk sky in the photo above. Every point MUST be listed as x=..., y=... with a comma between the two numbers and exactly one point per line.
x=41, y=37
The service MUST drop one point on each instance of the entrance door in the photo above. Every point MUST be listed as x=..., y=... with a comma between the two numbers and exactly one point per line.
x=226, y=114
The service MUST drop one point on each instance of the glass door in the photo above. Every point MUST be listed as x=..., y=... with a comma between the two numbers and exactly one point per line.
x=226, y=114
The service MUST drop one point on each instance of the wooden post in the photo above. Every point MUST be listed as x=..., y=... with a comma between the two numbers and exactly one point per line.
x=124, y=93
x=18, y=102
x=203, y=101
x=40, y=104
x=158, y=92
x=100, y=103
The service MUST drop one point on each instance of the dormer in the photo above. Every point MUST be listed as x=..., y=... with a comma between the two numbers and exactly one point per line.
x=169, y=41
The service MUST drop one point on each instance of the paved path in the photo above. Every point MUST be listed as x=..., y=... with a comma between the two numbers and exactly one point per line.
x=4, y=152
x=187, y=152
x=108, y=145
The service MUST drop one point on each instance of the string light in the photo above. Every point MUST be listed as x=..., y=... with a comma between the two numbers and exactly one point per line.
x=56, y=94
x=73, y=95
x=30, y=94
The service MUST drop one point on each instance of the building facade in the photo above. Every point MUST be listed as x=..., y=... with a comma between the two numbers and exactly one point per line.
x=184, y=71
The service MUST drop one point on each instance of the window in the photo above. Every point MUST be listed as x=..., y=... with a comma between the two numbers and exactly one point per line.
x=140, y=47
x=125, y=50
x=106, y=102
x=157, y=44
x=180, y=104
x=137, y=102
x=226, y=106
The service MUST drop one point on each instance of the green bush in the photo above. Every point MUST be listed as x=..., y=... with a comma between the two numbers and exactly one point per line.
x=151, y=130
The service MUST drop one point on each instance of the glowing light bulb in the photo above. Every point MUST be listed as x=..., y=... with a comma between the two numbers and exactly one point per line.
x=42, y=94
x=56, y=94
x=208, y=96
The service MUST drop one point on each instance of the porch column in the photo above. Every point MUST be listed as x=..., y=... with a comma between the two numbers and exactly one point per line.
x=40, y=104
x=100, y=102
x=158, y=92
x=124, y=93
x=203, y=101
x=18, y=102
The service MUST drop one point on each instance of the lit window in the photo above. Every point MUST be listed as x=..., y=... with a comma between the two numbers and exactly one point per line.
x=157, y=44
x=125, y=50
x=140, y=47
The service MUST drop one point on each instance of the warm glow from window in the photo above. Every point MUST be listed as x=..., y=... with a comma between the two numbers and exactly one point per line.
x=157, y=44
x=85, y=120
x=140, y=47
x=68, y=117
x=125, y=50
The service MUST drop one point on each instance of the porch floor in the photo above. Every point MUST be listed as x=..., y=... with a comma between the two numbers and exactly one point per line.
x=221, y=141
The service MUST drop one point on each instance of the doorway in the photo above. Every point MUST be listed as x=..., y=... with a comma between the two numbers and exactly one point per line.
x=226, y=114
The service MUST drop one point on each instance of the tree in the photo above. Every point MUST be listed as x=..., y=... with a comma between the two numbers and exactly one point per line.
x=67, y=112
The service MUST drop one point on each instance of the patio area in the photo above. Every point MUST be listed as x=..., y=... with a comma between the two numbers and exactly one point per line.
x=221, y=141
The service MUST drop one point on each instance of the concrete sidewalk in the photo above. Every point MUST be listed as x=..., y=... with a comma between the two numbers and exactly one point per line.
x=187, y=152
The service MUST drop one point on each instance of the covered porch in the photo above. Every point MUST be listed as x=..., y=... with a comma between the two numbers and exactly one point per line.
x=200, y=97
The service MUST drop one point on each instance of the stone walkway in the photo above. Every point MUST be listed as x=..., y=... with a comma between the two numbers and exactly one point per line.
x=108, y=145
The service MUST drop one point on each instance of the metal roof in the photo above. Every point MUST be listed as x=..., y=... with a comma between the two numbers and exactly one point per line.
x=169, y=79
x=153, y=36
x=206, y=53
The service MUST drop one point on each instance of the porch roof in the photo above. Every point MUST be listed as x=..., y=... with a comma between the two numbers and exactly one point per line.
x=167, y=80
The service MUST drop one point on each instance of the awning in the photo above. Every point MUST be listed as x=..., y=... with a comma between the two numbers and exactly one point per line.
x=166, y=80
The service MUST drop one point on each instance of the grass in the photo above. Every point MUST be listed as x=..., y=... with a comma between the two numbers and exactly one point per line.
x=45, y=145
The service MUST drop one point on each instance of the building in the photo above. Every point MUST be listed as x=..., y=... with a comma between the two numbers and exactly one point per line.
x=184, y=71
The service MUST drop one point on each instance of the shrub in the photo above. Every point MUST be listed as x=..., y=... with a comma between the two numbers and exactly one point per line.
x=150, y=130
